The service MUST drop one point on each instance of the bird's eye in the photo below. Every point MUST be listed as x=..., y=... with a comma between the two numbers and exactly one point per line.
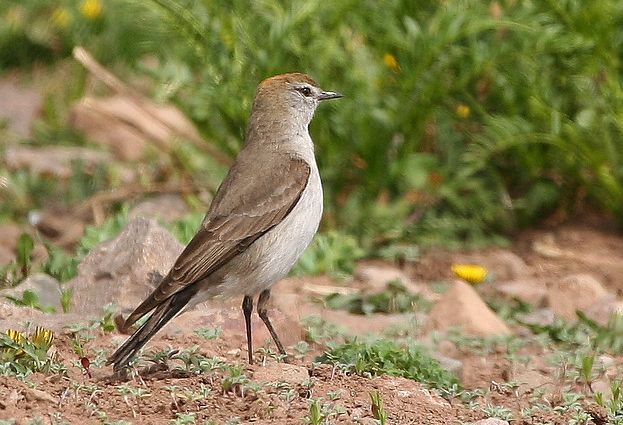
x=305, y=91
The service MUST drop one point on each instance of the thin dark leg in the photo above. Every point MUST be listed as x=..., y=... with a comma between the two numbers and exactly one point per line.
x=263, y=313
x=247, y=309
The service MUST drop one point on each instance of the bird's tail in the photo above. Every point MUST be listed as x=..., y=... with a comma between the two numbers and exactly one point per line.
x=161, y=315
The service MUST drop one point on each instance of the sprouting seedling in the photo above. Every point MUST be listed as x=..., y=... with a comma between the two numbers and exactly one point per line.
x=378, y=409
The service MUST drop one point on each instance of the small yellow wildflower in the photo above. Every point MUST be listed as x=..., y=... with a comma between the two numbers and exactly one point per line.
x=391, y=61
x=19, y=339
x=471, y=273
x=42, y=338
x=61, y=17
x=92, y=9
x=16, y=336
x=463, y=111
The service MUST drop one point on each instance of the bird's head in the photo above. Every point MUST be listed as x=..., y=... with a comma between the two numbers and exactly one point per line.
x=293, y=96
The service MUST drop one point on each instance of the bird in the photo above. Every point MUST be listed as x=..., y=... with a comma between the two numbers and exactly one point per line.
x=263, y=216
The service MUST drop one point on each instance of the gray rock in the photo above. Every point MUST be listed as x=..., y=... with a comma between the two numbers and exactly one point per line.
x=167, y=207
x=542, y=317
x=461, y=306
x=375, y=278
x=575, y=292
x=13, y=316
x=22, y=318
x=604, y=309
x=452, y=365
x=121, y=271
x=531, y=291
x=45, y=287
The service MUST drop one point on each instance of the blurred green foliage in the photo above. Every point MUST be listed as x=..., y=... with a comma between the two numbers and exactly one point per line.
x=462, y=120
x=394, y=299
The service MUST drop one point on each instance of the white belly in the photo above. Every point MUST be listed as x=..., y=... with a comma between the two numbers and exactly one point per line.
x=271, y=257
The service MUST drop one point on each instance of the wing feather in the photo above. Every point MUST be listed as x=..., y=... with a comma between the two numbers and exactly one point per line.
x=236, y=219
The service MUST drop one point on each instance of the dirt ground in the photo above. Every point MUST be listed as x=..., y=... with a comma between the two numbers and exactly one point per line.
x=274, y=393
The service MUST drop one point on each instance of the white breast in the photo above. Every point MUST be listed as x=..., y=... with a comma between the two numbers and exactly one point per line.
x=271, y=257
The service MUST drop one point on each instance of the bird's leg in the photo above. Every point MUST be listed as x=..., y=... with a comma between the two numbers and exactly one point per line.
x=263, y=313
x=247, y=309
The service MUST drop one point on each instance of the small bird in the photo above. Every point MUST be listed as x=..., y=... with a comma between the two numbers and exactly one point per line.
x=263, y=216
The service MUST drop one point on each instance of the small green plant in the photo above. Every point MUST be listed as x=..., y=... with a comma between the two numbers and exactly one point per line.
x=19, y=269
x=59, y=264
x=378, y=409
x=586, y=370
x=30, y=299
x=235, y=381
x=316, y=415
x=319, y=330
x=107, y=322
x=614, y=404
x=67, y=296
x=209, y=333
x=387, y=357
x=499, y=412
x=182, y=418
x=333, y=253
x=395, y=299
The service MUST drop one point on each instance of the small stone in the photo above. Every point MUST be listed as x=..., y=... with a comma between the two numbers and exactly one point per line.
x=122, y=271
x=530, y=291
x=542, y=317
x=13, y=316
x=20, y=106
x=491, y=421
x=281, y=372
x=462, y=307
x=33, y=394
x=603, y=310
x=451, y=365
x=375, y=278
x=166, y=207
x=45, y=287
x=575, y=293
x=531, y=380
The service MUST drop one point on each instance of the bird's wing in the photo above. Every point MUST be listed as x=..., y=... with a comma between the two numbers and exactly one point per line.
x=236, y=219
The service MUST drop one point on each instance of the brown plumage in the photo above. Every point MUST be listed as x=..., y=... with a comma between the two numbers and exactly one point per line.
x=233, y=250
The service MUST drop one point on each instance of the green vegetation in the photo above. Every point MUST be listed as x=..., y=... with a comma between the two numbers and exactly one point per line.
x=20, y=356
x=384, y=357
x=395, y=299
x=378, y=409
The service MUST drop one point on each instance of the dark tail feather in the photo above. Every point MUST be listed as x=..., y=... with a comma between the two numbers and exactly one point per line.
x=161, y=315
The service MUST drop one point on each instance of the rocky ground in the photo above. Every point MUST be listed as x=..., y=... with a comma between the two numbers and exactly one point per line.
x=511, y=341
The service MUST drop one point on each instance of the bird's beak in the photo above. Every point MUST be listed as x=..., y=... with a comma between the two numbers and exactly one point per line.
x=326, y=95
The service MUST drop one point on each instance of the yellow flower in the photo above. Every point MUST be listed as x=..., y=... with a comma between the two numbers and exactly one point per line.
x=42, y=338
x=61, y=17
x=16, y=336
x=463, y=111
x=391, y=61
x=471, y=273
x=92, y=9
